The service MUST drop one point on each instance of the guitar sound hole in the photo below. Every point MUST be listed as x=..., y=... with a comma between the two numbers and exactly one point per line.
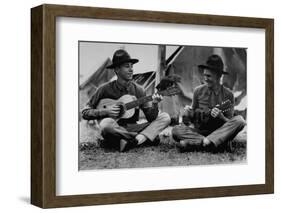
x=104, y=106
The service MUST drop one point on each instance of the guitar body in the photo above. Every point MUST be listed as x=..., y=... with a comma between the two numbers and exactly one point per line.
x=128, y=103
x=107, y=102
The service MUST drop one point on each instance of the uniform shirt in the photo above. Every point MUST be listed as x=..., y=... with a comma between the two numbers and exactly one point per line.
x=205, y=98
x=114, y=90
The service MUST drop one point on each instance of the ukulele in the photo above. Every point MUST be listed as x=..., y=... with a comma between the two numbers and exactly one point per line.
x=198, y=116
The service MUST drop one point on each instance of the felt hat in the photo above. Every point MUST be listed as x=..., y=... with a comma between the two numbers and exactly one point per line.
x=214, y=63
x=120, y=57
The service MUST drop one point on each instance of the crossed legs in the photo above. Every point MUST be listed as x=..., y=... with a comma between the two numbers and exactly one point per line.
x=113, y=133
x=189, y=137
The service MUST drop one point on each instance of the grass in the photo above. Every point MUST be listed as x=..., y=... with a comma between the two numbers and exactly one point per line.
x=91, y=156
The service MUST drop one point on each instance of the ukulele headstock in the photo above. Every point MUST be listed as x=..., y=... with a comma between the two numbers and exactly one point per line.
x=225, y=106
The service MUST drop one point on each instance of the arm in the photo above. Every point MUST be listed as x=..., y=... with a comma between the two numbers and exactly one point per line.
x=91, y=113
x=188, y=115
x=150, y=109
x=195, y=104
x=88, y=113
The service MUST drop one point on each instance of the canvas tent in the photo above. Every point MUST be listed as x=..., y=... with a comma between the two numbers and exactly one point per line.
x=100, y=76
x=103, y=75
x=183, y=63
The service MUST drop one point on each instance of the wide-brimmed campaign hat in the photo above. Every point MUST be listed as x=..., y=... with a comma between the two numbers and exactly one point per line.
x=121, y=57
x=214, y=63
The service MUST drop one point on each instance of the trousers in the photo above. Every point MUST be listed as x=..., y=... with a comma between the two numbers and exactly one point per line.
x=226, y=132
x=112, y=132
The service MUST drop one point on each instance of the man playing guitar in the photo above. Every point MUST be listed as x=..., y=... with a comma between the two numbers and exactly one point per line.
x=124, y=133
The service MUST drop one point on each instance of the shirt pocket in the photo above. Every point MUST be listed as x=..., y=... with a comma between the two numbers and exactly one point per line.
x=203, y=103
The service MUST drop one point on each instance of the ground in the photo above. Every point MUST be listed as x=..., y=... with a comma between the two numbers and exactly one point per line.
x=91, y=156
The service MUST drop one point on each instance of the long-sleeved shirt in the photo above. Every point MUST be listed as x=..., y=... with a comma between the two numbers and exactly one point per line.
x=114, y=90
x=205, y=98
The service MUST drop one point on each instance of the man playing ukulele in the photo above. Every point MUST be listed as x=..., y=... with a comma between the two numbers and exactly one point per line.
x=210, y=127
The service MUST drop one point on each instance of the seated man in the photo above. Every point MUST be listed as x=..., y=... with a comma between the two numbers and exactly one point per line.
x=121, y=133
x=211, y=126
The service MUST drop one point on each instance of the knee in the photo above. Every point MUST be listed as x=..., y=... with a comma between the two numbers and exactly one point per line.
x=165, y=117
x=175, y=133
x=239, y=121
x=106, y=124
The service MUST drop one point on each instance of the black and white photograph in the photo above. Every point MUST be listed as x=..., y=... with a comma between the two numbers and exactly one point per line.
x=155, y=105
x=131, y=106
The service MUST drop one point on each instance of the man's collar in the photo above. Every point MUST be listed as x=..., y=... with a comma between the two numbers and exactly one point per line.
x=122, y=87
x=215, y=90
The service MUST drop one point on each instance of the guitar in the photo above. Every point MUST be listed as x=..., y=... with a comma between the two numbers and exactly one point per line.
x=198, y=116
x=128, y=103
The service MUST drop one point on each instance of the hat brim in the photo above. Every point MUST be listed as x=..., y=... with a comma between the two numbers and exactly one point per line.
x=204, y=66
x=132, y=60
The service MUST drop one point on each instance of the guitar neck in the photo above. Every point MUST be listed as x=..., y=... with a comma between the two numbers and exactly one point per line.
x=145, y=99
x=138, y=102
